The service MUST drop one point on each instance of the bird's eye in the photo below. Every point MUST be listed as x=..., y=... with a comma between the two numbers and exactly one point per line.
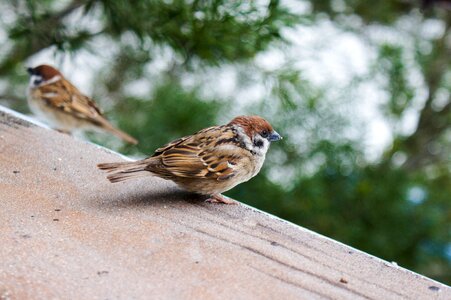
x=264, y=133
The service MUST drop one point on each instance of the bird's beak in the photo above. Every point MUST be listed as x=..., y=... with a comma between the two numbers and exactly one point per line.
x=274, y=136
x=30, y=70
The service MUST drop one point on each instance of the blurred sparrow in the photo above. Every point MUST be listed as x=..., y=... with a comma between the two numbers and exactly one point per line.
x=54, y=98
x=209, y=162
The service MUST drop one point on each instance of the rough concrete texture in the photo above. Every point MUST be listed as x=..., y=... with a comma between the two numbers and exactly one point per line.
x=67, y=233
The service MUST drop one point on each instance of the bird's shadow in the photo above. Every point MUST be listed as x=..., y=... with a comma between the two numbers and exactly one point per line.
x=144, y=196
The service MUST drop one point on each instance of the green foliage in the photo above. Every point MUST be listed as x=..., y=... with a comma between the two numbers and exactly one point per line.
x=211, y=30
x=391, y=63
x=384, y=11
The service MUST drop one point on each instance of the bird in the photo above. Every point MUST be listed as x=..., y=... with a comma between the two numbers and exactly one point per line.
x=209, y=162
x=55, y=99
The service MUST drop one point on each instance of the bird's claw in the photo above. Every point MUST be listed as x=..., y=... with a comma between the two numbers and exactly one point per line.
x=218, y=198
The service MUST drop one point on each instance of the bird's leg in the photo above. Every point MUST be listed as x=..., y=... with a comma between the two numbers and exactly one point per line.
x=218, y=198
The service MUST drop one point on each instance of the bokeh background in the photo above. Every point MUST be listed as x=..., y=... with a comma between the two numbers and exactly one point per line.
x=359, y=89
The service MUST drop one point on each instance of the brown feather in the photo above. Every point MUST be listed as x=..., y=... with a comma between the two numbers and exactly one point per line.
x=47, y=72
x=211, y=161
x=64, y=97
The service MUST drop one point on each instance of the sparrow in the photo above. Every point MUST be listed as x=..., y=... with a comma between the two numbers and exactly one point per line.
x=54, y=98
x=209, y=162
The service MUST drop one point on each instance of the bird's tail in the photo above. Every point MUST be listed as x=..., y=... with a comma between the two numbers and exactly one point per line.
x=107, y=126
x=122, y=135
x=121, y=171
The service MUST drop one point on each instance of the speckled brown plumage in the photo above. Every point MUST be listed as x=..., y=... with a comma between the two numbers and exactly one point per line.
x=60, y=103
x=208, y=162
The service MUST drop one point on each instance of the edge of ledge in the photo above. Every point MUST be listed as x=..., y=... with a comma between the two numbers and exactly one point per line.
x=33, y=122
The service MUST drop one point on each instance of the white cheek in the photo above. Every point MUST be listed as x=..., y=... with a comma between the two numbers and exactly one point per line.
x=33, y=78
x=264, y=148
x=266, y=144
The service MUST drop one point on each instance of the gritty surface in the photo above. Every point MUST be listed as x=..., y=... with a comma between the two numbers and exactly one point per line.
x=67, y=233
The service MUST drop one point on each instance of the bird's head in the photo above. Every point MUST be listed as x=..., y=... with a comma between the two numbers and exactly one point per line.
x=43, y=74
x=259, y=132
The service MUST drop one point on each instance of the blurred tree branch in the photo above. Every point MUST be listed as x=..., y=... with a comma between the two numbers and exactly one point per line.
x=39, y=39
x=432, y=123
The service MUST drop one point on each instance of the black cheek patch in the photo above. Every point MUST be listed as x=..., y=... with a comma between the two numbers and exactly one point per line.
x=258, y=143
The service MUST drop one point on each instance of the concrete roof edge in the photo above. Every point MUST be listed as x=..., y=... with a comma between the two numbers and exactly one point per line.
x=386, y=263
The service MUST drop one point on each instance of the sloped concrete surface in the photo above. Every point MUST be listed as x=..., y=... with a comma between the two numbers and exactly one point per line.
x=67, y=233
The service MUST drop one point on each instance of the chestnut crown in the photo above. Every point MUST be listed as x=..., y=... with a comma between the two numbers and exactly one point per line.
x=45, y=71
x=256, y=125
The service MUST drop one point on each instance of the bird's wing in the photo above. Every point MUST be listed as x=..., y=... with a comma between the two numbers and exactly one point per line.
x=206, y=154
x=66, y=97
